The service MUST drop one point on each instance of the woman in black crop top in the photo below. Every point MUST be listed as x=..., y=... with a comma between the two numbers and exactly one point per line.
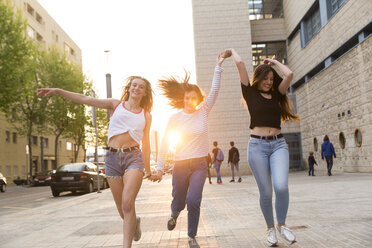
x=268, y=155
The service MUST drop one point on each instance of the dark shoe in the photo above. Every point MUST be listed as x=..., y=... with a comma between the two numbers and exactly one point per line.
x=232, y=181
x=137, y=233
x=193, y=243
x=172, y=223
x=210, y=182
x=240, y=180
x=313, y=175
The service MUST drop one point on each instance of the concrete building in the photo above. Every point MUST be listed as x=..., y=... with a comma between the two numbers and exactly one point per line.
x=328, y=46
x=13, y=156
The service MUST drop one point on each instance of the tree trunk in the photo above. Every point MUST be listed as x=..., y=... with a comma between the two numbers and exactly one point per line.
x=30, y=153
x=42, y=153
x=56, y=148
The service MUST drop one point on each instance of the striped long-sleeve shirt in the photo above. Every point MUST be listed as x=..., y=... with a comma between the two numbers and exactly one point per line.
x=192, y=128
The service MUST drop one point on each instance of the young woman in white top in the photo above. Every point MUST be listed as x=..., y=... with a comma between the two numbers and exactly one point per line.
x=125, y=163
x=191, y=123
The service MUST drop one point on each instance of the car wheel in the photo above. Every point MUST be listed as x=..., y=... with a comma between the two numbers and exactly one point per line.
x=3, y=188
x=90, y=188
x=55, y=193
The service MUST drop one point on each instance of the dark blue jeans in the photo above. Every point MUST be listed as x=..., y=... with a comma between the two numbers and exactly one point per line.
x=188, y=182
x=329, y=160
x=217, y=166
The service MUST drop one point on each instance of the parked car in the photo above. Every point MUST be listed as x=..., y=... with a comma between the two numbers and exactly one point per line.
x=3, y=183
x=43, y=178
x=77, y=177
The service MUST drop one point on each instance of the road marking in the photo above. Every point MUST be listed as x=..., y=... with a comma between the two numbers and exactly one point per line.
x=14, y=207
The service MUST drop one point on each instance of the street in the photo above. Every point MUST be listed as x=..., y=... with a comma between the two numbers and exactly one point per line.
x=20, y=198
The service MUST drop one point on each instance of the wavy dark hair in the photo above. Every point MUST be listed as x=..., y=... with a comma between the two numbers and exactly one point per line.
x=285, y=104
x=174, y=90
x=147, y=101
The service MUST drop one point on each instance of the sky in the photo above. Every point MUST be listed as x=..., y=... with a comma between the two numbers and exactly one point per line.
x=145, y=37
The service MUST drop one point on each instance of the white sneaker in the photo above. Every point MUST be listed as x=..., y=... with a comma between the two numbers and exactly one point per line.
x=287, y=234
x=193, y=243
x=271, y=237
x=137, y=233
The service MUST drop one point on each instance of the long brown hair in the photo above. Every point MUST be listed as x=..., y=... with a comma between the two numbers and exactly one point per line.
x=146, y=101
x=285, y=104
x=174, y=90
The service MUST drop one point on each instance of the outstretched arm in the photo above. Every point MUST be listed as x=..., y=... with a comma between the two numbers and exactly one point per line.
x=243, y=74
x=79, y=98
x=287, y=75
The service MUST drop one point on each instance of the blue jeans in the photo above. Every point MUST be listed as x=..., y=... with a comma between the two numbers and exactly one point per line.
x=217, y=166
x=188, y=182
x=269, y=161
x=329, y=160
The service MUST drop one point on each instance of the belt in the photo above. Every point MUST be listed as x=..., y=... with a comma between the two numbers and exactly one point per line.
x=118, y=150
x=274, y=137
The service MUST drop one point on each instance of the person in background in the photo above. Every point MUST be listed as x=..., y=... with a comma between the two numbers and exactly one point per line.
x=311, y=161
x=328, y=152
x=233, y=161
x=217, y=160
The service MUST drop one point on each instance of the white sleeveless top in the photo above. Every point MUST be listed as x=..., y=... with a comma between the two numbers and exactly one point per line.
x=123, y=120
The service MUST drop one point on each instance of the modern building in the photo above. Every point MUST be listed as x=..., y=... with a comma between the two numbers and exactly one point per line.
x=328, y=46
x=13, y=151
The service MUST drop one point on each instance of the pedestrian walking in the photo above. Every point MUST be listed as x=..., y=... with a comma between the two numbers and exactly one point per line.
x=233, y=161
x=190, y=168
x=268, y=155
x=217, y=160
x=328, y=152
x=311, y=161
x=126, y=162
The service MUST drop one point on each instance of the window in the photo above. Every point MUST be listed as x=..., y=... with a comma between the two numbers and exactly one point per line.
x=67, y=48
x=315, y=144
x=312, y=25
x=30, y=32
x=39, y=38
x=14, y=138
x=333, y=6
x=34, y=140
x=8, y=171
x=358, y=137
x=46, y=142
x=15, y=171
x=30, y=10
x=39, y=19
x=23, y=170
x=7, y=136
x=265, y=9
x=342, y=140
x=275, y=50
x=69, y=146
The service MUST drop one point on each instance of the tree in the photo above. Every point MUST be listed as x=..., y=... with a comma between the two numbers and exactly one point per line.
x=15, y=52
x=57, y=71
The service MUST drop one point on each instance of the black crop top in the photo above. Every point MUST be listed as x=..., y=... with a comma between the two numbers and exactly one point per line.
x=264, y=112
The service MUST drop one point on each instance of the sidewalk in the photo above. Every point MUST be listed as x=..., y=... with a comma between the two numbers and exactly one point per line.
x=324, y=212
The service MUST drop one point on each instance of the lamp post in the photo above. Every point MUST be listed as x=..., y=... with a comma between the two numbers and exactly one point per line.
x=108, y=82
x=94, y=122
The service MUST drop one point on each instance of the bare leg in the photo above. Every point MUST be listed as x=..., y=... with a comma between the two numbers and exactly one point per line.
x=116, y=187
x=132, y=183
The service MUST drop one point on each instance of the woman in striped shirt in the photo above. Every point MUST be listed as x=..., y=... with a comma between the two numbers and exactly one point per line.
x=191, y=123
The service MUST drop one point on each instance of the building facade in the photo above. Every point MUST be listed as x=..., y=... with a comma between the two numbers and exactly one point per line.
x=14, y=156
x=328, y=46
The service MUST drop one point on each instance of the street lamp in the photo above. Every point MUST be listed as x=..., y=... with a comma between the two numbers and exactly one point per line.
x=108, y=82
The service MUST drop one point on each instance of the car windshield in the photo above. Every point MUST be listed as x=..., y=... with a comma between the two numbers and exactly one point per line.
x=43, y=173
x=72, y=167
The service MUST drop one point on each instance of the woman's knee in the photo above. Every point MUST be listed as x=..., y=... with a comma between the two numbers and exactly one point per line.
x=193, y=203
x=281, y=190
x=127, y=205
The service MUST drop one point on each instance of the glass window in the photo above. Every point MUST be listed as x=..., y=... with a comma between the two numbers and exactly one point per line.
x=69, y=146
x=333, y=6
x=315, y=144
x=30, y=32
x=7, y=136
x=15, y=138
x=34, y=140
x=358, y=138
x=312, y=25
x=15, y=171
x=46, y=142
x=30, y=10
x=39, y=19
x=273, y=50
x=73, y=167
x=342, y=140
x=265, y=9
x=8, y=171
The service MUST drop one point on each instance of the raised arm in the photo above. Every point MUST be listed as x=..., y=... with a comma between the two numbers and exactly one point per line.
x=146, y=150
x=287, y=75
x=216, y=83
x=79, y=98
x=243, y=74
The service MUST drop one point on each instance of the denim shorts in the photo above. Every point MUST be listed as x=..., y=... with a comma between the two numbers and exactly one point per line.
x=118, y=163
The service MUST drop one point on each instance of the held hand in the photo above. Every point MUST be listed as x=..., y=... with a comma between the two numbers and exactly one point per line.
x=227, y=53
x=157, y=177
x=269, y=61
x=46, y=91
x=147, y=175
x=220, y=59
